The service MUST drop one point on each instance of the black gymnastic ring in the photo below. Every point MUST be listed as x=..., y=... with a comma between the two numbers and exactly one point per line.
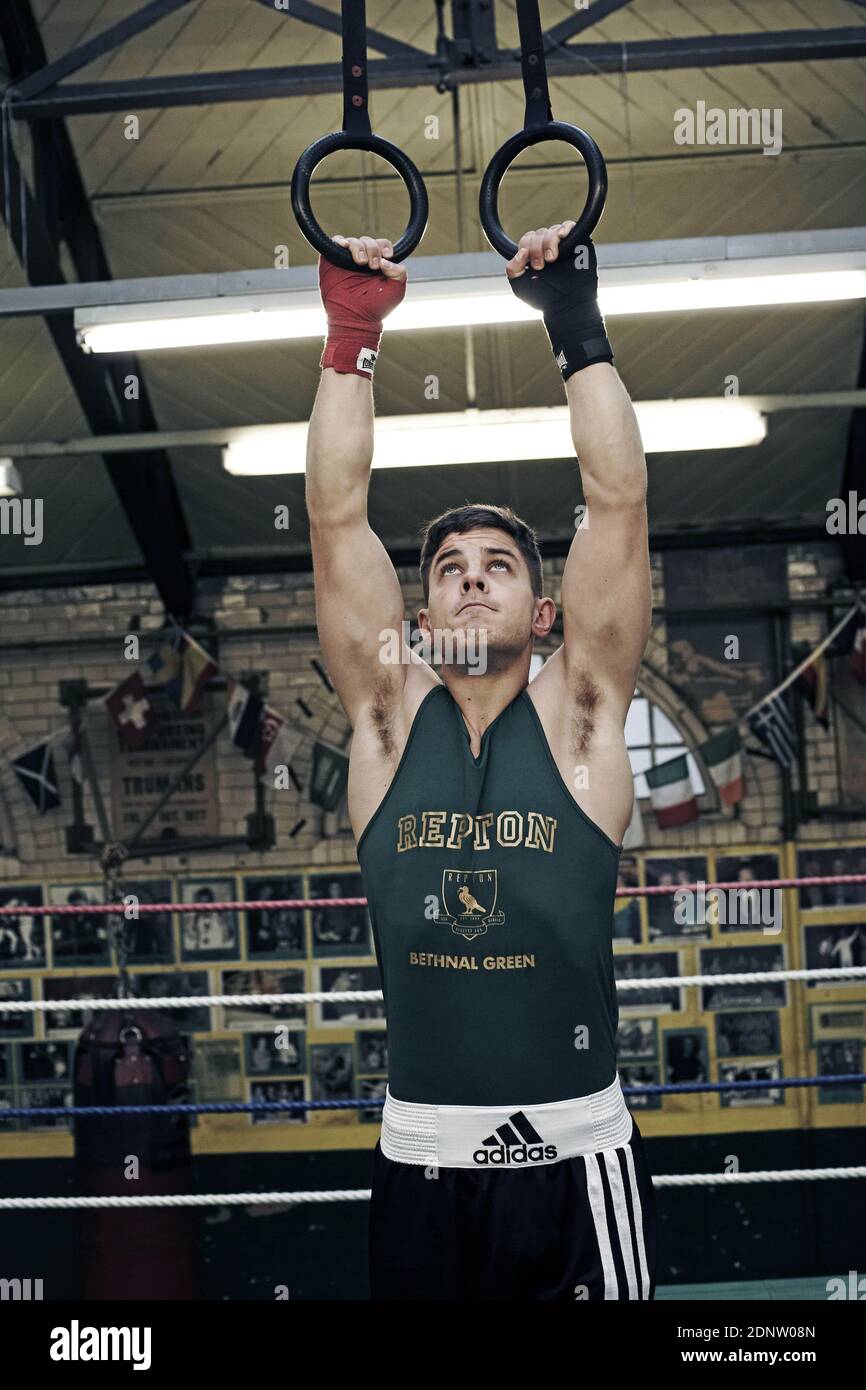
x=419, y=206
x=488, y=199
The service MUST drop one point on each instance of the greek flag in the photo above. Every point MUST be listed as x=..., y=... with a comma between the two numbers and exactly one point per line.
x=773, y=725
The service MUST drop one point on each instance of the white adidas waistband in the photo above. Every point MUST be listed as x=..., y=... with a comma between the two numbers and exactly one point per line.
x=504, y=1136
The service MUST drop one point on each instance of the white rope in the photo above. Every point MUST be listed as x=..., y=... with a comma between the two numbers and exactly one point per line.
x=243, y=1199
x=746, y=977
x=374, y=996
x=190, y=1001
x=759, y=1175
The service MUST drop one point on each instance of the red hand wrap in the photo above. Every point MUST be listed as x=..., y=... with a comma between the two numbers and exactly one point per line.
x=356, y=304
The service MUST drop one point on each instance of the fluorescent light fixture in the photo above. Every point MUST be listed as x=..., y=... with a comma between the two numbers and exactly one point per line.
x=495, y=436
x=439, y=302
x=10, y=479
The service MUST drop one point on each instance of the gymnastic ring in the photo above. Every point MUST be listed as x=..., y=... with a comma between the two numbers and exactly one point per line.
x=488, y=199
x=419, y=206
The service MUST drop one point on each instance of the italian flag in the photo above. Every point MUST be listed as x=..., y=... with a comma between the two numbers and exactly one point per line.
x=671, y=793
x=724, y=760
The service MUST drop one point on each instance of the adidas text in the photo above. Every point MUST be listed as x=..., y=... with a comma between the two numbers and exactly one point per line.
x=514, y=1153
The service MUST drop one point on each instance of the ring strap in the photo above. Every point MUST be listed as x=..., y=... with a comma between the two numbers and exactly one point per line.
x=534, y=68
x=356, y=108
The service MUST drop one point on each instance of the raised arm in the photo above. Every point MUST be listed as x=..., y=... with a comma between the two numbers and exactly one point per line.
x=606, y=593
x=357, y=591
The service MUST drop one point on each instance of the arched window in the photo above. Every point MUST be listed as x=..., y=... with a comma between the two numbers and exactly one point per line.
x=652, y=738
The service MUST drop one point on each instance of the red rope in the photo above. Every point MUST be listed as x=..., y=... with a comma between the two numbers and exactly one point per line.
x=26, y=910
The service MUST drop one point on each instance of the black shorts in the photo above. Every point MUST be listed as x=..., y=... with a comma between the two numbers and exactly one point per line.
x=581, y=1229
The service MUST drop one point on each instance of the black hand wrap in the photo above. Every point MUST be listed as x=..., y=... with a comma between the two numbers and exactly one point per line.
x=566, y=292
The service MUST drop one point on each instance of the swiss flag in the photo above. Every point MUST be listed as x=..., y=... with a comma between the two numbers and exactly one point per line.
x=132, y=711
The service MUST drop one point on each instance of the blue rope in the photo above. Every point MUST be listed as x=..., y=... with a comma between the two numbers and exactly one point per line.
x=245, y=1107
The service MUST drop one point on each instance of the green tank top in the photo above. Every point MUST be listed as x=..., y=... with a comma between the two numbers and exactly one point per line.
x=491, y=897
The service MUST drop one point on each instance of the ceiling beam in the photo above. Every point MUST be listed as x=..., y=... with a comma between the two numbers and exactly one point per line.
x=147, y=491
x=315, y=79
x=310, y=13
x=584, y=19
x=112, y=37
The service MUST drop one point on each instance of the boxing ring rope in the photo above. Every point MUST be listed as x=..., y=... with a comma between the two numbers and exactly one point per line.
x=228, y=1199
x=375, y=996
x=252, y=905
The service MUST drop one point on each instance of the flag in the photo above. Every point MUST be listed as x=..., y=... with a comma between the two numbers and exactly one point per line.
x=197, y=668
x=269, y=730
x=634, y=836
x=813, y=685
x=330, y=775
x=857, y=657
x=723, y=758
x=773, y=724
x=278, y=744
x=38, y=777
x=163, y=667
x=671, y=793
x=132, y=711
x=245, y=712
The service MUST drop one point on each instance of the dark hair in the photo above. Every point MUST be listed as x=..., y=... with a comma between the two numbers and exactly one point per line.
x=471, y=517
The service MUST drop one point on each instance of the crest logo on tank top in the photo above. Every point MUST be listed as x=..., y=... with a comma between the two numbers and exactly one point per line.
x=469, y=902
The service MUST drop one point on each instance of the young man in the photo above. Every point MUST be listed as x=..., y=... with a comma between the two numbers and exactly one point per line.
x=488, y=814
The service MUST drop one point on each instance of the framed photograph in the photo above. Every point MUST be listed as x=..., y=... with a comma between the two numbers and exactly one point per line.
x=824, y=863
x=22, y=937
x=339, y=931
x=68, y=1023
x=641, y=1075
x=335, y=979
x=250, y=1017
x=746, y=908
x=736, y=960
x=332, y=1071
x=205, y=934
x=164, y=984
x=372, y=1088
x=48, y=1062
x=752, y=1033
x=626, y=911
x=216, y=1070
x=149, y=936
x=769, y=1071
x=654, y=965
x=39, y=1097
x=275, y=933
x=16, y=1025
x=79, y=937
x=686, y=1056
x=637, y=1039
x=277, y=1092
x=835, y=1022
x=372, y=1050
x=719, y=691
x=834, y=945
x=670, y=920
x=274, y=1053
x=840, y=1058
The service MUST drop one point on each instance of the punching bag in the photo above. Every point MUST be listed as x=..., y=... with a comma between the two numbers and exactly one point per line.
x=135, y=1253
